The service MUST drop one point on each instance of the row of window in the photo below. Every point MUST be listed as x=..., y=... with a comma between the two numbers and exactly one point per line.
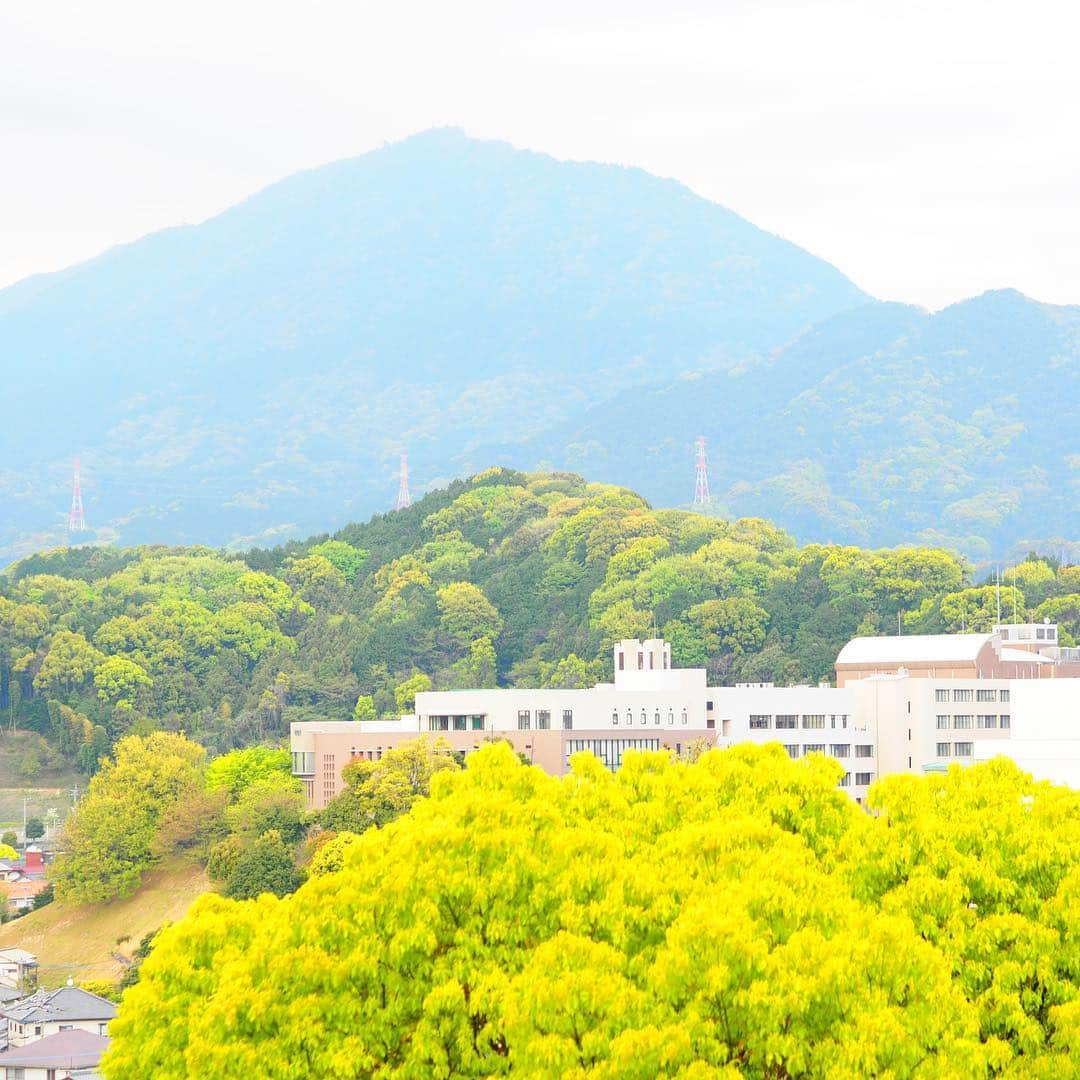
x=455, y=723
x=984, y=721
x=644, y=717
x=836, y=750
x=971, y=695
x=960, y=749
x=861, y=779
x=790, y=721
x=610, y=751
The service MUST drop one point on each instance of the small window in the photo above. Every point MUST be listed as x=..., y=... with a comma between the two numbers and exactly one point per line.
x=943, y=722
x=568, y=719
x=622, y=661
x=644, y=717
x=656, y=718
x=944, y=749
x=459, y=723
x=863, y=778
x=615, y=717
x=986, y=695
x=684, y=716
x=543, y=720
x=941, y=695
x=845, y=780
x=814, y=748
x=962, y=749
x=760, y=722
x=962, y=722
x=478, y=723
x=786, y=722
x=1003, y=695
x=840, y=750
x=962, y=695
x=862, y=750
x=1005, y=720
x=671, y=716
x=792, y=750
x=629, y=718
x=814, y=720
x=524, y=720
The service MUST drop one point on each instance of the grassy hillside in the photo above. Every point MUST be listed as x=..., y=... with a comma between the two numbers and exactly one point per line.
x=87, y=942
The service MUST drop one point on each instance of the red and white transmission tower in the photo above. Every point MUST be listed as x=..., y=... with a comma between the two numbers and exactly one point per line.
x=701, y=471
x=76, y=517
x=404, y=499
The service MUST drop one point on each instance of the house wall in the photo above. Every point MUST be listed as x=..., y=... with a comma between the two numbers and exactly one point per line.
x=21, y=1034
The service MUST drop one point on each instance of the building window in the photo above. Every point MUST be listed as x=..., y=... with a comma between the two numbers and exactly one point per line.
x=814, y=720
x=684, y=716
x=963, y=695
x=478, y=723
x=943, y=722
x=840, y=750
x=708, y=706
x=1003, y=695
x=862, y=750
x=1006, y=721
x=962, y=722
x=656, y=717
x=986, y=695
x=759, y=722
x=941, y=695
x=615, y=717
x=622, y=661
x=644, y=718
x=524, y=722
x=543, y=719
x=438, y=723
x=944, y=749
x=568, y=719
x=786, y=722
x=671, y=716
x=843, y=717
x=629, y=718
x=303, y=763
x=609, y=751
x=845, y=780
x=641, y=661
x=460, y=723
x=863, y=778
x=962, y=749
x=792, y=750
x=1040, y=634
x=814, y=748
x=987, y=721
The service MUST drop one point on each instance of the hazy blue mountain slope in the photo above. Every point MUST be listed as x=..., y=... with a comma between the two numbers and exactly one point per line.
x=883, y=423
x=262, y=368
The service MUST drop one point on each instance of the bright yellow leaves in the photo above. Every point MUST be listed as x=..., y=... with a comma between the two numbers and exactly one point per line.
x=733, y=917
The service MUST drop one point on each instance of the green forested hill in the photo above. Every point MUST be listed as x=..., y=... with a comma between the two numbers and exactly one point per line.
x=507, y=578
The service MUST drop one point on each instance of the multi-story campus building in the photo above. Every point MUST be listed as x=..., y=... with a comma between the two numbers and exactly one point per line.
x=901, y=704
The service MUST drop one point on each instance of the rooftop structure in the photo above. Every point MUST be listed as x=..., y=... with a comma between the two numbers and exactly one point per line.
x=72, y=1053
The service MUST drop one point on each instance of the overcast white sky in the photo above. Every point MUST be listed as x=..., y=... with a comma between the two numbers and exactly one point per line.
x=929, y=150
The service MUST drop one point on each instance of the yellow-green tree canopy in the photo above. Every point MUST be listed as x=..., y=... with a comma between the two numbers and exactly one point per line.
x=737, y=916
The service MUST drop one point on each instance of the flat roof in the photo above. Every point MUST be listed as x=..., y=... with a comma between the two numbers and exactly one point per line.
x=913, y=649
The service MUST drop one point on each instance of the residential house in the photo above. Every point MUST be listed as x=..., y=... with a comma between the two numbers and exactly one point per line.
x=67, y=1055
x=49, y=1012
x=21, y=880
x=18, y=969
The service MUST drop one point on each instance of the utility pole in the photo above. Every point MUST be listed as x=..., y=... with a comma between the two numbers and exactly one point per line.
x=404, y=499
x=76, y=517
x=701, y=474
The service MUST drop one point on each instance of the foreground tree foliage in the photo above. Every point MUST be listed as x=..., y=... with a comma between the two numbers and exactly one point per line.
x=737, y=916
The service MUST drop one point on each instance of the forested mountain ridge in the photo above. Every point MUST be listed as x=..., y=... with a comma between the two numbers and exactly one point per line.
x=256, y=375
x=506, y=578
x=881, y=424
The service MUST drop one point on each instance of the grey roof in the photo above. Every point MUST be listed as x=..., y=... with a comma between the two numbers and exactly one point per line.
x=73, y=1049
x=67, y=1003
x=18, y=956
x=8, y=994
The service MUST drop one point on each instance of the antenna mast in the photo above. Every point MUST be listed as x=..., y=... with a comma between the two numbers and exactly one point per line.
x=701, y=475
x=76, y=517
x=404, y=499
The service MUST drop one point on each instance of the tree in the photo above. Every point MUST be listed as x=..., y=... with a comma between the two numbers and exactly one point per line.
x=274, y=803
x=405, y=693
x=239, y=769
x=466, y=613
x=119, y=681
x=378, y=792
x=672, y=920
x=364, y=708
x=108, y=840
x=9, y=839
x=35, y=828
x=69, y=663
x=345, y=558
x=265, y=867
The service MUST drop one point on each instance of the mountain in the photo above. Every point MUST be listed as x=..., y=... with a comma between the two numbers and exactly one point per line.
x=254, y=377
x=882, y=424
x=225, y=380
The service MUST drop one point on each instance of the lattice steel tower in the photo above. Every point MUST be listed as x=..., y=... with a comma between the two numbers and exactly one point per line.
x=701, y=475
x=76, y=517
x=404, y=499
